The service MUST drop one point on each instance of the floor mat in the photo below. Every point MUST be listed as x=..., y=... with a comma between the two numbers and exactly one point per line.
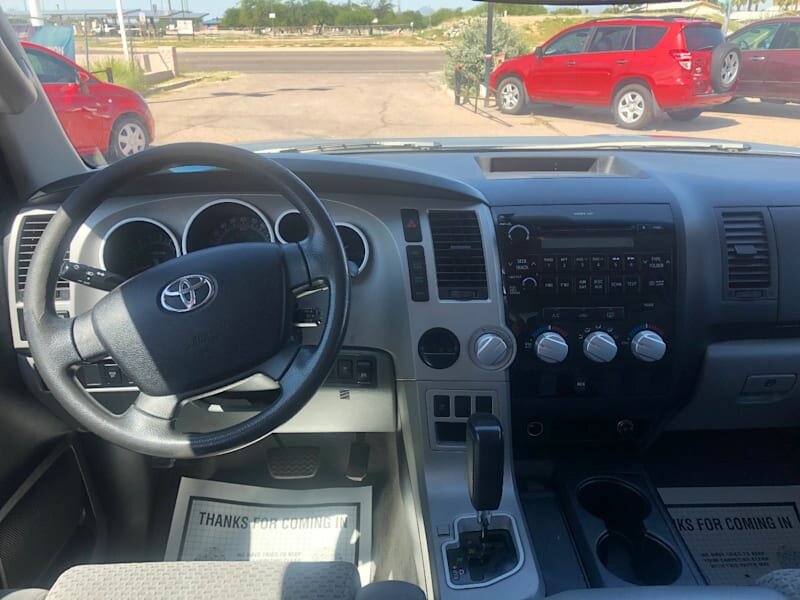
x=737, y=534
x=225, y=521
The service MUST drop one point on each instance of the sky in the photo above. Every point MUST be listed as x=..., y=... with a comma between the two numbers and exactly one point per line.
x=212, y=7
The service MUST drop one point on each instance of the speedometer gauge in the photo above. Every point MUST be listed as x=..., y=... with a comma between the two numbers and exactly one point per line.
x=228, y=221
x=135, y=245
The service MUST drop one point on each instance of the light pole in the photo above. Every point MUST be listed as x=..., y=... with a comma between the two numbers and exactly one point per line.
x=35, y=10
x=487, y=57
x=124, y=34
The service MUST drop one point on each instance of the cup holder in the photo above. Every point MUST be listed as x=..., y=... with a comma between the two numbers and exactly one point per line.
x=626, y=548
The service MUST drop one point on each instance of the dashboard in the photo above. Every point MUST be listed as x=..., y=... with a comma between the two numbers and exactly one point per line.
x=611, y=294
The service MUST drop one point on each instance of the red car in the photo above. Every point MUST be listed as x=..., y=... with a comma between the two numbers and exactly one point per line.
x=97, y=116
x=770, y=59
x=634, y=65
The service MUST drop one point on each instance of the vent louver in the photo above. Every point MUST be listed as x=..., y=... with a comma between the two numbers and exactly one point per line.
x=747, y=253
x=458, y=252
x=30, y=233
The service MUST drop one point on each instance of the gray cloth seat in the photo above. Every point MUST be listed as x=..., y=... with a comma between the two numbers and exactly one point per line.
x=258, y=580
x=785, y=581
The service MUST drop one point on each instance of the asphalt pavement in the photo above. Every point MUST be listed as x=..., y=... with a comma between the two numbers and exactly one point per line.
x=322, y=60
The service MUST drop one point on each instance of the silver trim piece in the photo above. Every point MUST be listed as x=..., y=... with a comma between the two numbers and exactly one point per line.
x=278, y=223
x=159, y=224
x=360, y=234
x=476, y=527
x=181, y=295
x=196, y=214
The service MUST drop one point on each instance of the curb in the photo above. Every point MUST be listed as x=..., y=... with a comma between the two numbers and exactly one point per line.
x=175, y=85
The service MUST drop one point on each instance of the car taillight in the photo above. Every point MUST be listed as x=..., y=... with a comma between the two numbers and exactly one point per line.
x=684, y=58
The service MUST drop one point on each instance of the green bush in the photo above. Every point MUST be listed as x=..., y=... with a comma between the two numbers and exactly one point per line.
x=468, y=48
x=569, y=10
x=126, y=74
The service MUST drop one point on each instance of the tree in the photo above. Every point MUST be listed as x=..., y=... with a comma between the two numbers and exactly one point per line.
x=468, y=49
x=231, y=18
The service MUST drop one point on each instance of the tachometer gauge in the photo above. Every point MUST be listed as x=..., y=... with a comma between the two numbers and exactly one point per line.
x=235, y=230
x=135, y=245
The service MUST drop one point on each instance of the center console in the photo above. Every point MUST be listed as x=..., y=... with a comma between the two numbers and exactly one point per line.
x=590, y=297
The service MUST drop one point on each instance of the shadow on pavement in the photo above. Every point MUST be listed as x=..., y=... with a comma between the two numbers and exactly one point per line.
x=212, y=95
x=485, y=114
x=757, y=108
x=705, y=122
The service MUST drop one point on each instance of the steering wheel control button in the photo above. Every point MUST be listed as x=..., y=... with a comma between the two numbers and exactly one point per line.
x=600, y=347
x=188, y=293
x=648, y=346
x=439, y=348
x=412, y=231
x=551, y=347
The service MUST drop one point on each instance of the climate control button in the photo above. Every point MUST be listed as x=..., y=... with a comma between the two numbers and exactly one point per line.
x=648, y=346
x=600, y=347
x=551, y=347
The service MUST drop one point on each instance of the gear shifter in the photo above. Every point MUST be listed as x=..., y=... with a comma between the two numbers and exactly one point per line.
x=485, y=466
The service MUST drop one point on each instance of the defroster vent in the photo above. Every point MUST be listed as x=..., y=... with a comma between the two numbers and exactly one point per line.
x=458, y=252
x=747, y=253
x=30, y=233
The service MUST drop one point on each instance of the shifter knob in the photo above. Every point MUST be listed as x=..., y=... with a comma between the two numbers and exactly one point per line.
x=485, y=464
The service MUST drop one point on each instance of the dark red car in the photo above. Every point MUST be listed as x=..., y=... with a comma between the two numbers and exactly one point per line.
x=634, y=65
x=97, y=116
x=770, y=59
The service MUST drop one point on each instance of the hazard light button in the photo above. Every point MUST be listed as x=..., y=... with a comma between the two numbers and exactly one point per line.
x=411, y=226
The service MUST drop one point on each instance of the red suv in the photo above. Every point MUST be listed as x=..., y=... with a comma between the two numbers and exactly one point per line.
x=97, y=116
x=637, y=66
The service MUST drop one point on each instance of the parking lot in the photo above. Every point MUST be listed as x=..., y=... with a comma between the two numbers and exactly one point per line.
x=399, y=93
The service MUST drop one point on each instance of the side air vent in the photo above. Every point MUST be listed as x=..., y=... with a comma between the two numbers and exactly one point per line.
x=458, y=252
x=747, y=254
x=30, y=233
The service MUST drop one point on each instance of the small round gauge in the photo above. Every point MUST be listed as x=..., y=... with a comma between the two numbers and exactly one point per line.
x=291, y=227
x=356, y=248
x=135, y=245
x=223, y=222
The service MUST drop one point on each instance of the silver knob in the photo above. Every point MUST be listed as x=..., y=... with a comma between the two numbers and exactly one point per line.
x=529, y=284
x=648, y=346
x=551, y=347
x=600, y=347
x=491, y=350
x=519, y=233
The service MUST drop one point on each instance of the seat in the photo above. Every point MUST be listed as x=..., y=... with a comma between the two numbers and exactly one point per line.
x=785, y=581
x=257, y=580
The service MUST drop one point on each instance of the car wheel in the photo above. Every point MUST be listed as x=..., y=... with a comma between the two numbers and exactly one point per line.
x=633, y=106
x=726, y=62
x=684, y=115
x=510, y=96
x=128, y=136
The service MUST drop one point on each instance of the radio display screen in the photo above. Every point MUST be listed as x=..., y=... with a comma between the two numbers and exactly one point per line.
x=574, y=243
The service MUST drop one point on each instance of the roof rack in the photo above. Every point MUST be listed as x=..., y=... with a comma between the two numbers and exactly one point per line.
x=669, y=18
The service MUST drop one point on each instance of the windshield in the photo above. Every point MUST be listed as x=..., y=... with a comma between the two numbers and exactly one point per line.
x=341, y=76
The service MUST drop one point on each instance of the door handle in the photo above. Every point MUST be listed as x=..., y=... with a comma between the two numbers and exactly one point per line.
x=758, y=58
x=623, y=61
x=571, y=63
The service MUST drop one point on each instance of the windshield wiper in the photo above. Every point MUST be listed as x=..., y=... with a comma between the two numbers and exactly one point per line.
x=347, y=147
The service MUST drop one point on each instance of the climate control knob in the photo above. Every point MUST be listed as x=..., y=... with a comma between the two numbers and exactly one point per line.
x=519, y=233
x=491, y=350
x=551, y=347
x=648, y=346
x=600, y=347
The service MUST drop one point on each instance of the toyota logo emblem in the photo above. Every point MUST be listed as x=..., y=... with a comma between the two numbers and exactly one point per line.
x=188, y=293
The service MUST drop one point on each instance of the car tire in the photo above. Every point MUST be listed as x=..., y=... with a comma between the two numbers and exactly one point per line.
x=511, y=96
x=129, y=135
x=684, y=115
x=633, y=106
x=726, y=64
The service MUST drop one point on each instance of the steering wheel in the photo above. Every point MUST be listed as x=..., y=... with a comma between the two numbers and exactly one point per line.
x=195, y=325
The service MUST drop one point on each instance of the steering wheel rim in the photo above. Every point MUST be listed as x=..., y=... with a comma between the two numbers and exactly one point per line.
x=119, y=327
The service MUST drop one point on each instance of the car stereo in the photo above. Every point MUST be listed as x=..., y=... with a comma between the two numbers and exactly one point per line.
x=590, y=296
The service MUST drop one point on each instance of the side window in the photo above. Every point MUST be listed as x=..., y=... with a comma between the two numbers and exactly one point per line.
x=758, y=37
x=648, y=36
x=789, y=39
x=49, y=69
x=571, y=42
x=611, y=39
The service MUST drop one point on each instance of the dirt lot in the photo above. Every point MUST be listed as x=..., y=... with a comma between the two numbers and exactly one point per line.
x=284, y=106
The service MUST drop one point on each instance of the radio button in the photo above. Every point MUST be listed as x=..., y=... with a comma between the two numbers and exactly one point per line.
x=599, y=285
x=615, y=262
x=655, y=262
x=582, y=285
x=548, y=264
x=598, y=263
x=631, y=262
x=631, y=284
x=584, y=314
x=564, y=285
x=581, y=263
x=616, y=284
x=656, y=283
x=613, y=313
x=548, y=285
x=564, y=264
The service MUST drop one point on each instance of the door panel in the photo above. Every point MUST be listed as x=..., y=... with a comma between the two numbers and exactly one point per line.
x=782, y=68
x=755, y=42
x=607, y=58
x=555, y=75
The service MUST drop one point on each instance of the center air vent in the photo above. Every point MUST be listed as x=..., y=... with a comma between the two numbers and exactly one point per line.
x=746, y=247
x=30, y=233
x=458, y=252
